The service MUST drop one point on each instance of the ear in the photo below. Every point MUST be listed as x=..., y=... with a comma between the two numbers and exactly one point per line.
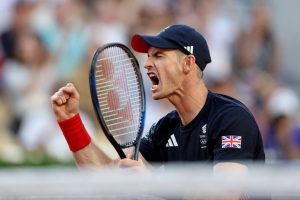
x=189, y=63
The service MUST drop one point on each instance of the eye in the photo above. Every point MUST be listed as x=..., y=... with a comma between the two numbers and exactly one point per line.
x=158, y=55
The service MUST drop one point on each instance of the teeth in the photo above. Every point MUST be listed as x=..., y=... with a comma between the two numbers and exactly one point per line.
x=151, y=75
x=154, y=87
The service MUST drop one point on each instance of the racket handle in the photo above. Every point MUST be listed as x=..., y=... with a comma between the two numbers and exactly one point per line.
x=136, y=151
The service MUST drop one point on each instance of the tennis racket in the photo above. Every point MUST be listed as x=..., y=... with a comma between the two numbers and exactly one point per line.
x=118, y=96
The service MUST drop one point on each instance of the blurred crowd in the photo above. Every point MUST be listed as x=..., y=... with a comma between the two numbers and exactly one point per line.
x=45, y=44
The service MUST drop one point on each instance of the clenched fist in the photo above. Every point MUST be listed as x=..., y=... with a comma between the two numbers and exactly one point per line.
x=65, y=102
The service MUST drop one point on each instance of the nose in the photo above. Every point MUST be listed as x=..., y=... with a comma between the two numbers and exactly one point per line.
x=148, y=64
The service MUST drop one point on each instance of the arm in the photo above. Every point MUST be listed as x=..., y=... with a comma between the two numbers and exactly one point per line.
x=237, y=142
x=91, y=157
x=232, y=169
x=65, y=104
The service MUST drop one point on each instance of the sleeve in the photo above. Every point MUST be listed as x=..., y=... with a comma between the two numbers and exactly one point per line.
x=236, y=136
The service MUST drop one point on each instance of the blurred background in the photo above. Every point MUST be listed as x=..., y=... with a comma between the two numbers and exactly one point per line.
x=45, y=44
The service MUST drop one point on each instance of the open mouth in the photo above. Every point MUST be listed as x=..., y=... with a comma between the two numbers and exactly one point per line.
x=154, y=79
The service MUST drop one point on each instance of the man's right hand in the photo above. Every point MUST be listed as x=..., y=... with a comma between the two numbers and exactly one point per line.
x=65, y=102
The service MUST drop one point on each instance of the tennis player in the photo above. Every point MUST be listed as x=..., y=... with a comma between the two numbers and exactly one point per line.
x=204, y=126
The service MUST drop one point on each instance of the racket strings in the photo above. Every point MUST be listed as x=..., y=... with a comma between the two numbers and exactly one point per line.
x=119, y=94
x=114, y=56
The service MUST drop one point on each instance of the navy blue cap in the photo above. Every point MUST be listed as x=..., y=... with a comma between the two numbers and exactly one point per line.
x=178, y=36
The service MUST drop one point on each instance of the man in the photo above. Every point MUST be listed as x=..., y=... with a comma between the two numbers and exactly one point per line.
x=204, y=127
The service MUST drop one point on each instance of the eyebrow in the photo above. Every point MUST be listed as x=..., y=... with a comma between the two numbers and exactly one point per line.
x=155, y=52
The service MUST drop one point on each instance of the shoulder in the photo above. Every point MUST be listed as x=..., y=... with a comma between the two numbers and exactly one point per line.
x=171, y=117
x=224, y=100
x=155, y=139
x=167, y=122
x=234, y=131
x=158, y=130
x=227, y=107
x=232, y=117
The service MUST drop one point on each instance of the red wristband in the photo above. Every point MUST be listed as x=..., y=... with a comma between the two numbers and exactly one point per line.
x=75, y=133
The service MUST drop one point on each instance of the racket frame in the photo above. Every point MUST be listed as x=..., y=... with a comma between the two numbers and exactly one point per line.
x=92, y=81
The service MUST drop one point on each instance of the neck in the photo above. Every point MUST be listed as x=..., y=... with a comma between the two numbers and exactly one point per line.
x=189, y=100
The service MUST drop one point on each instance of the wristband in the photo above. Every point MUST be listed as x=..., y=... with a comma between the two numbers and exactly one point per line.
x=75, y=133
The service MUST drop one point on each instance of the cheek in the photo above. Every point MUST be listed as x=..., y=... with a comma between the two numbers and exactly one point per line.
x=175, y=70
x=173, y=74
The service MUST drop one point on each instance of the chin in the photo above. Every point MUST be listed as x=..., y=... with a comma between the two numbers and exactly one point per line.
x=154, y=97
x=157, y=96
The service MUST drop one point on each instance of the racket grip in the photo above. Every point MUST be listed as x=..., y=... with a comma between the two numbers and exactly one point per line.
x=136, y=151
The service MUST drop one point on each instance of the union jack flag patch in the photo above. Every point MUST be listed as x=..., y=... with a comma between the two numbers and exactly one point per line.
x=231, y=141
